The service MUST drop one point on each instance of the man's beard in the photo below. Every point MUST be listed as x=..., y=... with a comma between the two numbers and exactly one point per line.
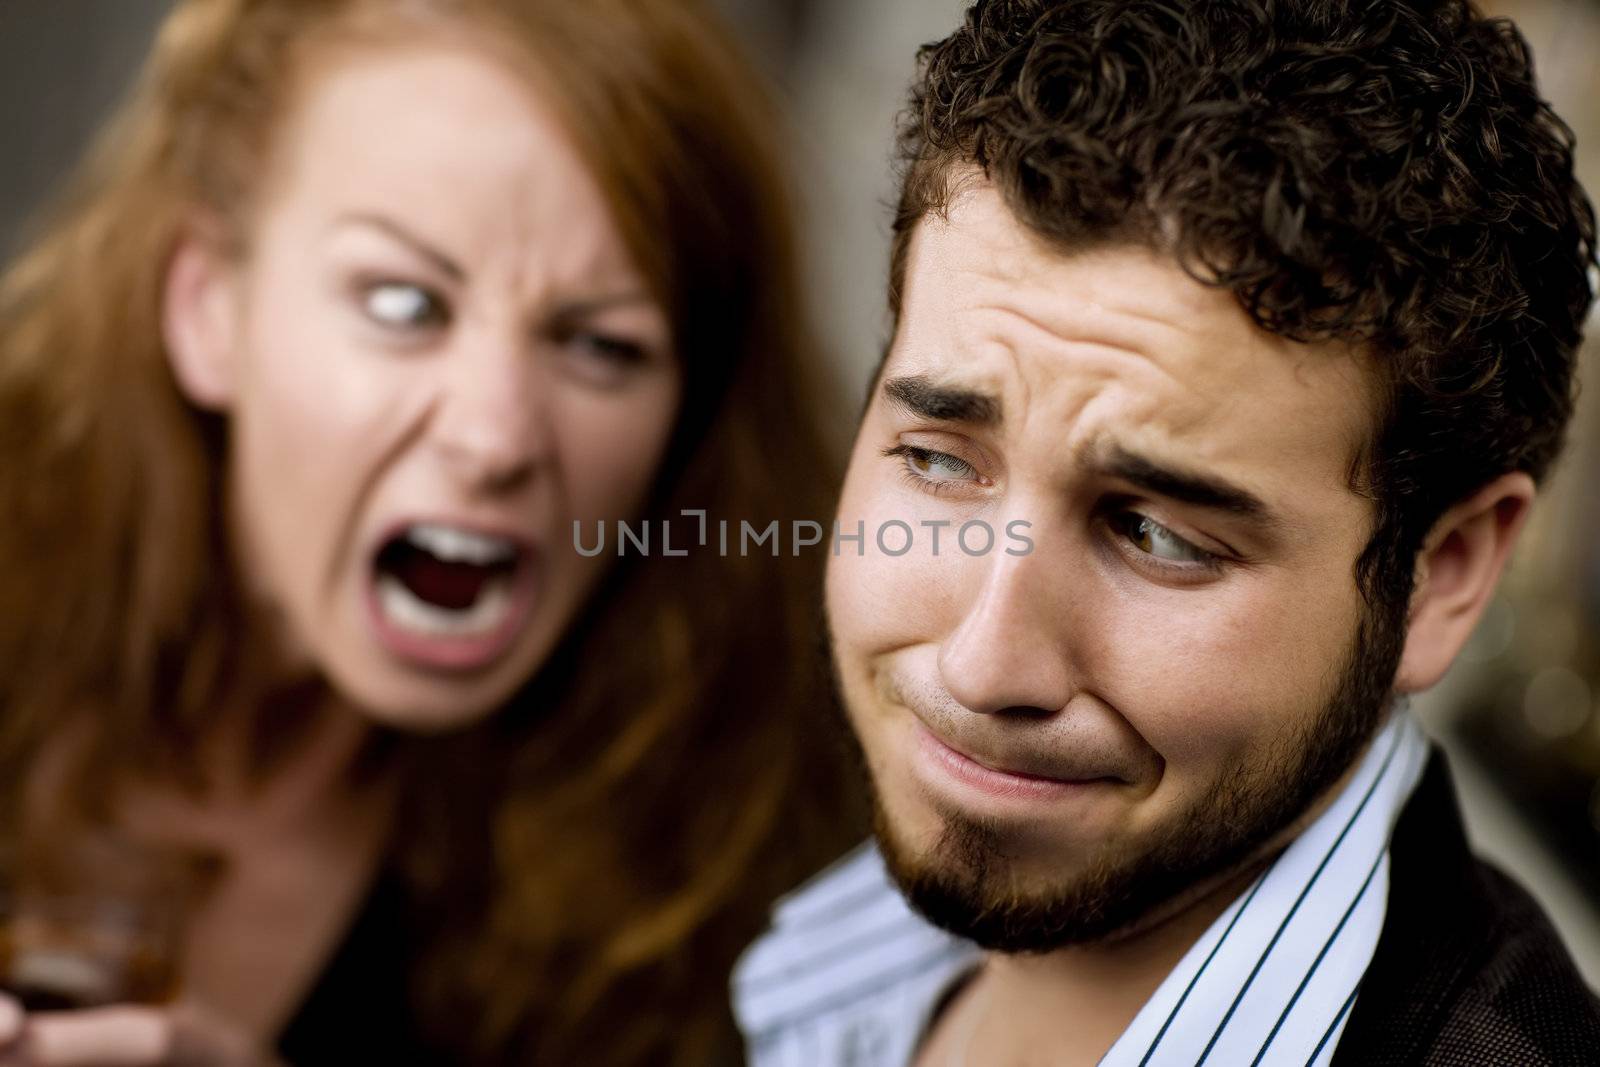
x=965, y=884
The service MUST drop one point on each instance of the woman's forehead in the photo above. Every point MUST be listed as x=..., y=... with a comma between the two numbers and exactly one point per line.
x=450, y=144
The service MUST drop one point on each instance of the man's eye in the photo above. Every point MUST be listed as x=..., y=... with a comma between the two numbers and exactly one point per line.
x=403, y=306
x=1154, y=539
x=929, y=466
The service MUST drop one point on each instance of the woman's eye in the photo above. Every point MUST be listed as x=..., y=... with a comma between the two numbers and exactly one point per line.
x=617, y=350
x=1154, y=539
x=927, y=465
x=600, y=356
x=403, y=306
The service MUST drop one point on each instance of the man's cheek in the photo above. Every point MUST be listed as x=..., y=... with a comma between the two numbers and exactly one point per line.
x=914, y=819
x=1192, y=688
x=880, y=603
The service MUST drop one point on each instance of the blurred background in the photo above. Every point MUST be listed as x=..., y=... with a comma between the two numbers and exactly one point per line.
x=1520, y=712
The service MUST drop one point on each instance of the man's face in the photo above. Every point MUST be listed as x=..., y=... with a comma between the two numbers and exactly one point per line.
x=1063, y=740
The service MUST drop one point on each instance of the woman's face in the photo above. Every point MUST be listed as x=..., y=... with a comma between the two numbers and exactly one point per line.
x=437, y=356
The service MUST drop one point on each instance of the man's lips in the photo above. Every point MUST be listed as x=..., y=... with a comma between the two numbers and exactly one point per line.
x=1012, y=778
x=1049, y=758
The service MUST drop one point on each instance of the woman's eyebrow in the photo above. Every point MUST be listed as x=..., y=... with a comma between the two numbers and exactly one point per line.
x=595, y=305
x=447, y=266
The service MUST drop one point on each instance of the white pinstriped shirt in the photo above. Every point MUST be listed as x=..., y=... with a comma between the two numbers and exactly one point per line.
x=849, y=976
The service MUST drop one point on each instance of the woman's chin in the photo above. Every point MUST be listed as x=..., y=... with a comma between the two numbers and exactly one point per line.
x=425, y=702
x=406, y=677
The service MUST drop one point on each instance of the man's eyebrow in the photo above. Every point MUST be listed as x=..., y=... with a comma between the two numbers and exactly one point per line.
x=922, y=397
x=1187, y=486
x=447, y=266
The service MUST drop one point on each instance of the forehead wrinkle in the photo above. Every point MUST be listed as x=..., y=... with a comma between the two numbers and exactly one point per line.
x=534, y=256
x=1076, y=339
x=1021, y=265
x=1026, y=374
x=517, y=230
x=1062, y=318
x=1092, y=324
x=1170, y=425
x=1099, y=391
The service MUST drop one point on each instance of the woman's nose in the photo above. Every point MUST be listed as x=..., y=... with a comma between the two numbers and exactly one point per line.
x=492, y=427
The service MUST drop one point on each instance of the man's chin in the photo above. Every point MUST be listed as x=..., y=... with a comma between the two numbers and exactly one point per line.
x=1008, y=893
x=974, y=881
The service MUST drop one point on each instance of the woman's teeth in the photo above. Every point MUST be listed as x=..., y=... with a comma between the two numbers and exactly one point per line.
x=405, y=609
x=455, y=545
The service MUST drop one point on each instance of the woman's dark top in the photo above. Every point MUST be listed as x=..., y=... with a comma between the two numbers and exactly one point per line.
x=359, y=1011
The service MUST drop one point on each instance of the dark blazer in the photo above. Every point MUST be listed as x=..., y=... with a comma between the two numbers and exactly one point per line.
x=1468, y=970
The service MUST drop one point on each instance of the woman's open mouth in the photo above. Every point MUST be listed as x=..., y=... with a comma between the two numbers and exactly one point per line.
x=446, y=597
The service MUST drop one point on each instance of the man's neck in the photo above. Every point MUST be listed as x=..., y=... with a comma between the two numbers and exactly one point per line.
x=1018, y=1007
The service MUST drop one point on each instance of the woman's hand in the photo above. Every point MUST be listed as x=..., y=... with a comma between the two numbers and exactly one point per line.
x=124, y=1036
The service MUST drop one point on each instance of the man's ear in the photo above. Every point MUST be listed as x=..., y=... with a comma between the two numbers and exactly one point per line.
x=199, y=318
x=1457, y=570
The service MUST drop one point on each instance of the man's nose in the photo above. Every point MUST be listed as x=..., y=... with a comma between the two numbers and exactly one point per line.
x=1012, y=650
x=493, y=424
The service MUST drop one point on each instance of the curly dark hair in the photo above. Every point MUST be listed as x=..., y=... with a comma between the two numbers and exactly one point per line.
x=1378, y=173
